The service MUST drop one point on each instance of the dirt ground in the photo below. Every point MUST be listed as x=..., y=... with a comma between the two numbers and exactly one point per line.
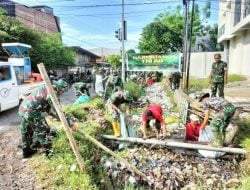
x=16, y=172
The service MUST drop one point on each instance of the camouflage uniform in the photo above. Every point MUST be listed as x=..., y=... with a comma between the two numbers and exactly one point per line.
x=34, y=128
x=224, y=112
x=81, y=88
x=218, y=71
x=115, y=82
x=117, y=100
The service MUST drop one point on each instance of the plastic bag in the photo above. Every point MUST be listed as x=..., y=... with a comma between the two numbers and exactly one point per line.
x=206, y=135
x=82, y=99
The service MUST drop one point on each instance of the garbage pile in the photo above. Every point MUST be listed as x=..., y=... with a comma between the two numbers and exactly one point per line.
x=168, y=170
x=171, y=169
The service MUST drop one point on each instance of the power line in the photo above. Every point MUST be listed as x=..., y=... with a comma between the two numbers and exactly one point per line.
x=116, y=5
x=103, y=14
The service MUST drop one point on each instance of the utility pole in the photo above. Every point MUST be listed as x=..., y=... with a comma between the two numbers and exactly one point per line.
x=190, y=46
x=185, y=44
x=123, y=47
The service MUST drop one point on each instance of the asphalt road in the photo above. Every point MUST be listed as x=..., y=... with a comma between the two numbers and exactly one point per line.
x=9, y=119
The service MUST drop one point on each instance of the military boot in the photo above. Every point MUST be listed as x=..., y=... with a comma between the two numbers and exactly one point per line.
x=28, y=152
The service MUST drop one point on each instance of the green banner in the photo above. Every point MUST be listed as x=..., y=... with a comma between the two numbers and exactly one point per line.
x=153, y=62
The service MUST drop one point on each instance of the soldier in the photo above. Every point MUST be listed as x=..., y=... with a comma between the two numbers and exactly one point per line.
x=218, y=76
x=174, y=80
x=114, y=103
x=34, y=128
x=81, y=88
x=114, y=81
x=224, y=112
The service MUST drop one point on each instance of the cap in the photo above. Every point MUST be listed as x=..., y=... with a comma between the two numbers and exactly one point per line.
x=194, y=117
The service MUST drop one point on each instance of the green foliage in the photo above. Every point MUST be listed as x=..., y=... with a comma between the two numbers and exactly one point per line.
x=245, y=184
x=55, y=173
x=135, y=90
x=94, y=103
x=50, y=51
x=46, y=48
x=75, y=110
x=165, y=33
x=170, y=94
x=235, y=77
x=131, y=51
x=197, y=84
x=114, y=60
x=243, y=136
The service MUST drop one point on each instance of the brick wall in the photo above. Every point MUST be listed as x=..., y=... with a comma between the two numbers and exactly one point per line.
x=31, y=17
x=36, y=19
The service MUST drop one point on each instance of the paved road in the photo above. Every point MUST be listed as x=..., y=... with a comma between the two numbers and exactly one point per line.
x=9, y=119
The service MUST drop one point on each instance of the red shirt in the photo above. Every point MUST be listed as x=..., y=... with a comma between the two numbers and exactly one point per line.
x=156, y=111
x=192, y=132
x=150, y=81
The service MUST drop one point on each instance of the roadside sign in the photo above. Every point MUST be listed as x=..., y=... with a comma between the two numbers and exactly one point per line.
x=167, y=62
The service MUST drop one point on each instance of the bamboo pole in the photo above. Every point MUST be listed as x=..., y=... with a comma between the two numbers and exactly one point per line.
x=175, y=144
x=100, y=145
x=60, y=114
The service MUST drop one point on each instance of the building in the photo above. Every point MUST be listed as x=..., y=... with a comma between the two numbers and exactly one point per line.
x=234, y=33
x=105, y=51
x=84, y=59
x=39, y=18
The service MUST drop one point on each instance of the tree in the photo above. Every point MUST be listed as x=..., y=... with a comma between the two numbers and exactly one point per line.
x=46, y=48
x=114, y=60
x=165, y=33
x=51, y=52
x=131, y=51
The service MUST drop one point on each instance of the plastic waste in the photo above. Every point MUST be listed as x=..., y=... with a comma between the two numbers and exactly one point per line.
x=206, y=135
x=82, y=99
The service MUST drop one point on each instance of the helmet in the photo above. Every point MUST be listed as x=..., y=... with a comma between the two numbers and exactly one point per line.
x=61, y=85
x=127, y=95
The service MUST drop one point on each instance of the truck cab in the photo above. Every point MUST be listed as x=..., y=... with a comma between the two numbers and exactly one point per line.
x=15, y=78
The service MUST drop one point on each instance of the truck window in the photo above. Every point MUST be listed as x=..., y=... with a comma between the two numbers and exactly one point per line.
x=19, y=71
x=5, y=73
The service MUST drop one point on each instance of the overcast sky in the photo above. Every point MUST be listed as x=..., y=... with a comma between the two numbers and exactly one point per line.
x=92, y=23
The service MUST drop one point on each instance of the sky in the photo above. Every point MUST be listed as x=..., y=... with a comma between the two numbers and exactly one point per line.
x=92, y=23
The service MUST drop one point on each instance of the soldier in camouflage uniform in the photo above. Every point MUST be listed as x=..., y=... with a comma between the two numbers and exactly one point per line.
x=218, y=76
x=114, y=103
x=81, y=88
x=224, y=112
x=34, y=129
x=114, y=81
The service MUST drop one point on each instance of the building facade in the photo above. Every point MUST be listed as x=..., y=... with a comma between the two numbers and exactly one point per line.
x=234, y=33
x=39, y=18
x=84, y=58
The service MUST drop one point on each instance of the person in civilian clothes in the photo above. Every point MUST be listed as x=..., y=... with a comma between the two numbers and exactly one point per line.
x=152, y=119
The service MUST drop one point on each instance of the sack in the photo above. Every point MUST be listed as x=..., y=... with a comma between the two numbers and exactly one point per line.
x=82, y=99
x=206, y=135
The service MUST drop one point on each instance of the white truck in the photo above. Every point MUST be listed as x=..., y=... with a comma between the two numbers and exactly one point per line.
x=14, y=75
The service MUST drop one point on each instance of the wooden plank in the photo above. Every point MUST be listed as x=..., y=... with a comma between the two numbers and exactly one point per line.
x=100, y=145
x=61, y=115
x=170, y=143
